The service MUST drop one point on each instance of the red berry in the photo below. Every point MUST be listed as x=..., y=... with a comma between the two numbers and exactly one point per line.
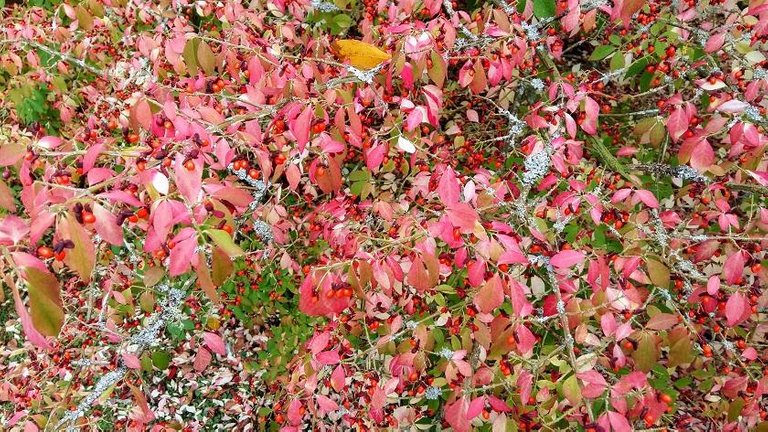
x=44, y=252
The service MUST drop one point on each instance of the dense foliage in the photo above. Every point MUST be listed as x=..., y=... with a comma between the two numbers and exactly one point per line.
x=372, y=215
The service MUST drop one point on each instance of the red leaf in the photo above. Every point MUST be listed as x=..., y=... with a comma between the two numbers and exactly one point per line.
x=567, y=258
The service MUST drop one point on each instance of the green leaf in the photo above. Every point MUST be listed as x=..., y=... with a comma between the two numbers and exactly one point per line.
x=647, y=353
x=571, y=390
x=84, y=18
x=359, y=175
x=544, y=8
x=81, y=258
x=161, y=359
x=190, y=55
x=221, y=266
x=734, y=409
x=636, y=67
x=617, y=62
x=602, y=51
x=658, y=272
x=343, y=21
x=437, y=71
x=225, y=242
x=46, y=307
x=206, y=58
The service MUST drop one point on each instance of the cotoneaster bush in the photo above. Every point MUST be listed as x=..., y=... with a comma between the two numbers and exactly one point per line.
x=413, y=215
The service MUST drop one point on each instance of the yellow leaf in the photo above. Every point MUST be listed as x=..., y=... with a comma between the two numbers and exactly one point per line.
x=359, y=54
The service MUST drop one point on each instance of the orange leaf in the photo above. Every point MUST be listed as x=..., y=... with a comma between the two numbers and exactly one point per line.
x=359, y=54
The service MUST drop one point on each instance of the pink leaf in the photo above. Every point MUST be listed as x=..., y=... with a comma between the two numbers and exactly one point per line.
x=300, y=127
x=733, y=268
x=12, y=230
x=188, y=182
x=498, y=404
x=49, y=142
x=182, y=254
x=737, y=309
x=490, y=296
x=567, y=258
x=106, y=225
x=326, y=404
x=647, y=198
x=662, y=321
x=131, y=361
x=141, y=114
x=702, y=156
x=475, y=407
x=618, y=422
x=592, y=110
x=520, y=303
x=733, y=106
x=202, y=359
x=215, y=343
x=338, y=378
x=456, y=415
x=294, y=414
x=608, y=324
x=448, y=187
x=677, y=123
x=329, y=357
x=525, y=383
x=375, y=156
x=526, y=340
x=462, y=215
x=714, y=43
x=32, y=334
